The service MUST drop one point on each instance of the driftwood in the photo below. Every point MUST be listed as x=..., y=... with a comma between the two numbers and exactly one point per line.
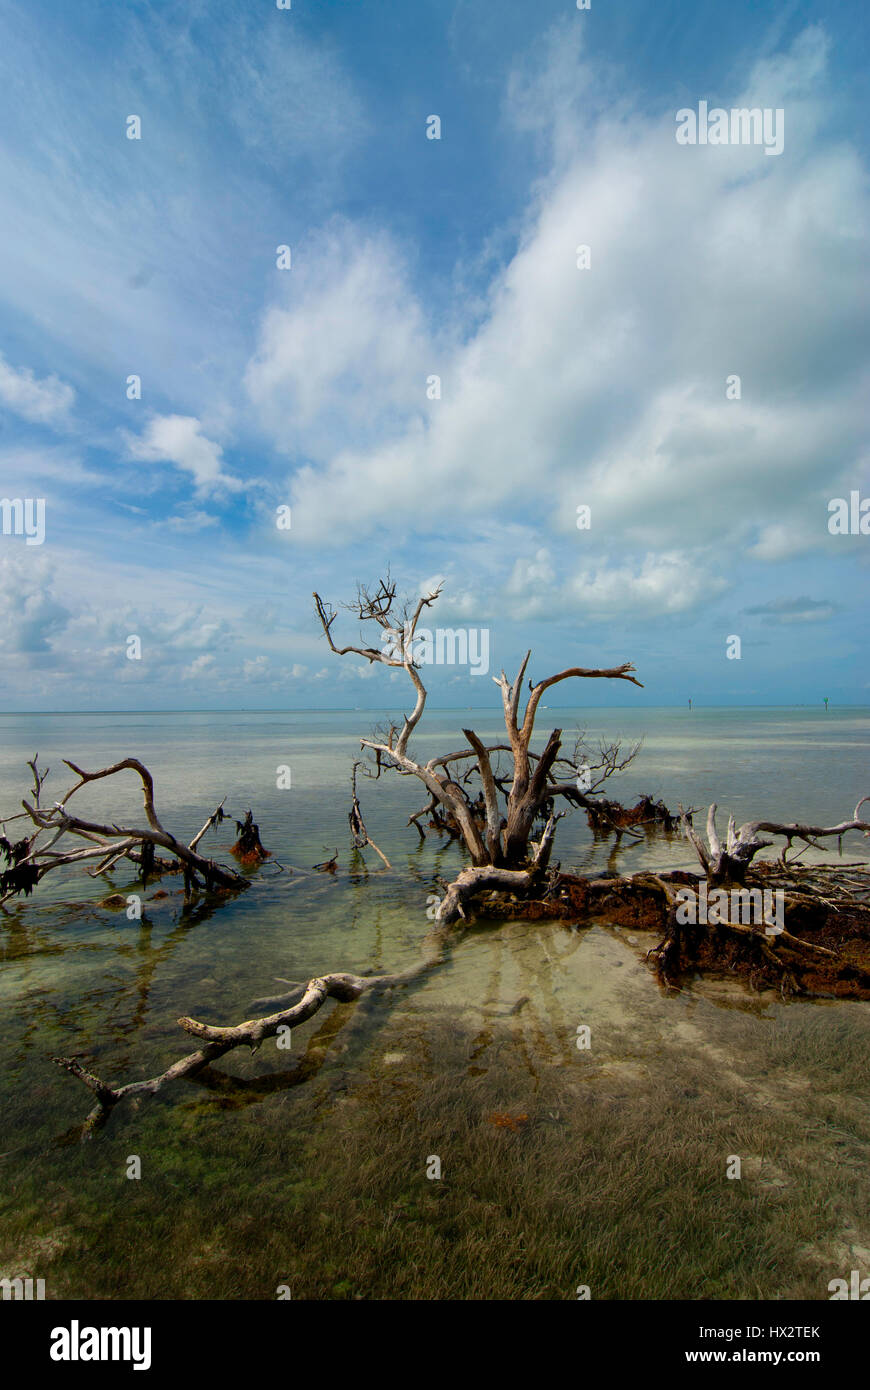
x=729, y=863
x=29, y=860
x=301, y=1004
x=498, y=801
x=822, y=947
x=824, y=950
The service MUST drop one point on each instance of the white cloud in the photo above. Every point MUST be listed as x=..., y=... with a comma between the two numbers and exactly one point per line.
x=667, y=583
x=348, y=358
x=31, y=613
x=42, y=402
x=528, y=574
x=179, y=439
x=257, y=668
x=199, y=667
x=191, y=521
x=781, y=540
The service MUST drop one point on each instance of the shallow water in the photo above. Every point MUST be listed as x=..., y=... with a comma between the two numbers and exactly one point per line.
x=79, y=979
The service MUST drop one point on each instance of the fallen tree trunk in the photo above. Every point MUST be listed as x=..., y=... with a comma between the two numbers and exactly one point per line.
x=217, y=1041
x=470, y=883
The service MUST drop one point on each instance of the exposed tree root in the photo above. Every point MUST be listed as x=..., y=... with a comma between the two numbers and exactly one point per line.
x=611, y=815
x=824, y=948
x=248, y=848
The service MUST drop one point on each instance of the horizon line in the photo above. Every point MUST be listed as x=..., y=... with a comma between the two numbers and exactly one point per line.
x=376, y=709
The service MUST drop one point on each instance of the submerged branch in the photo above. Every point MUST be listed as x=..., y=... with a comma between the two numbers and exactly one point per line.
x=339, y=985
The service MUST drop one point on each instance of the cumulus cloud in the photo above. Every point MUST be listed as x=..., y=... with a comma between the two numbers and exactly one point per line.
x=783, y=540
x=526, y=573
x=31, y=613
x=607, y=386
x=200, y=666
x=257, y=668
x=666, y=583
x=531, y=585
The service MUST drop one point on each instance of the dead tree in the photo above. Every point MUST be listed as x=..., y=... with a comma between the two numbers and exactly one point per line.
x=821, y=899
x=495, y=828
x=727, y=865
x=62, y=838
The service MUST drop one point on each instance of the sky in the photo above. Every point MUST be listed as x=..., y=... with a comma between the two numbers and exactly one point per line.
x=431, y=375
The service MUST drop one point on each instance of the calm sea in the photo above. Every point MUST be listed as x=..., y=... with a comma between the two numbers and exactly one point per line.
x=79, y=978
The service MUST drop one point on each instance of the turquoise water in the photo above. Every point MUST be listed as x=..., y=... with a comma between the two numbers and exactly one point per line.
x=77, y=978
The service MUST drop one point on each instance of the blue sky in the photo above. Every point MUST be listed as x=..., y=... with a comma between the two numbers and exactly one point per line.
x=412, y=258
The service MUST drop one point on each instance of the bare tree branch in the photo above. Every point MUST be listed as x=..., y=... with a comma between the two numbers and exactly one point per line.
x=729, y=865
x=32, y=858
x=216, y=1041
